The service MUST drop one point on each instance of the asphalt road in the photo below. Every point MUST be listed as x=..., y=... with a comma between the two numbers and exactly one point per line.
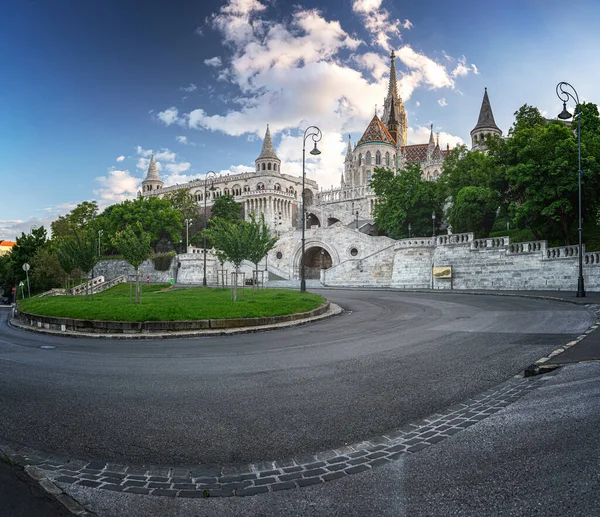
x=393, y=358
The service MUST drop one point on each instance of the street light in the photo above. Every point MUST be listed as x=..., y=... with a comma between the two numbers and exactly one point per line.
x=315, y=133
x=212, y=175
x=409, y=229
x=100, y=232
x=187, y=226
x=565, y=115
x=357, y=219
x=433, y=221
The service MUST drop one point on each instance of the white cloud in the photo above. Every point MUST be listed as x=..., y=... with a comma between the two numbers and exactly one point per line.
x=296, y=73
x=237, y=169
x=120, y=158
x=377, y=21
x=417, y=104
x=461, y=68
x=475, y=69
x=198, y=31
x=143, y=152
x=420, y=135
x=177, y=168
x=10, y=229
x=213, y=61
x=182, y=139
x=188, y=89
x=169, y=116
x=442, y=102
x=165, y=155
x=116, y=186
x=407, y=24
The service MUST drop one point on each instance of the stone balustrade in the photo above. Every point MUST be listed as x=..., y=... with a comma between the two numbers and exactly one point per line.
x=527, y=247
x=563, y=252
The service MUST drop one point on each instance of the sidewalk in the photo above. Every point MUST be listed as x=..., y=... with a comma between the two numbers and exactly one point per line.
x=587, y=349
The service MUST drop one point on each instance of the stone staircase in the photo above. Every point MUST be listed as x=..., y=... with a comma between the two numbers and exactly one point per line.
x=98, y=284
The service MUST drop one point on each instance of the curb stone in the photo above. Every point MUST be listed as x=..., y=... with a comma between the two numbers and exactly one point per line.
x=539, y=367
x=334, y=310
x=289, y=473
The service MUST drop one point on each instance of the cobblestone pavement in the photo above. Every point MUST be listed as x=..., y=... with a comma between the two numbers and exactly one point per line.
x=291, y=473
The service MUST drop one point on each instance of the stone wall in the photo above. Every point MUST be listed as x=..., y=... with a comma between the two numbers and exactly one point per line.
x=110, y=269
x=476, y=264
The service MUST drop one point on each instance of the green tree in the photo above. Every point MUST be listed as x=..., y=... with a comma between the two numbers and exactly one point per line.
x=259, y=242
x=232, y=240
x=81, y=248
x=403, y=199
x=474, y=210
x=46, y=272
x=134, y=244
x=23, y=252
x=77, y=219
x=225, y=207
x=157, y=217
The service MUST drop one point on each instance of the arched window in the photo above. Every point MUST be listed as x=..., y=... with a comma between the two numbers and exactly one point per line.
x=277, y=186
x=360, y=159
x=274, y=166
x=387, y=159
x=368, y=177
x=263, y=166
x=377, y=158
x=269, y=166
x=368, y=158
x=246, y=188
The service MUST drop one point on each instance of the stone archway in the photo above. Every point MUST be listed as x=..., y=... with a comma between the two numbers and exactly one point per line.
x=315, y=259
x=312, y=221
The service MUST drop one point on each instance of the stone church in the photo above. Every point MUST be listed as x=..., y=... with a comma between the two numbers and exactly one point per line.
x=270, y=191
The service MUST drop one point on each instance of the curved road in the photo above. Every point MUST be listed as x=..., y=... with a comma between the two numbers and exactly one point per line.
x=392, y=358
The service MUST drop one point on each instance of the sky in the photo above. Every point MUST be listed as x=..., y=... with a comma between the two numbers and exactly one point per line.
x=88, y=90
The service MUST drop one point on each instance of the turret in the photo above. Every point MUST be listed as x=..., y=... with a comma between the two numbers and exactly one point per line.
x=152, y=181
x=486, y=125
x=267, y=160
x=431, y=145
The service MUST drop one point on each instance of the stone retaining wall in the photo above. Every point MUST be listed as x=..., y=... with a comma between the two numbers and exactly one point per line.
x=135, y=327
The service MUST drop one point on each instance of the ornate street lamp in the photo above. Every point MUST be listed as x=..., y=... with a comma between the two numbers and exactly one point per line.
x=315, y=133
x=433, y=221
x=212, y=175
x=564, y=96
x=409, y=229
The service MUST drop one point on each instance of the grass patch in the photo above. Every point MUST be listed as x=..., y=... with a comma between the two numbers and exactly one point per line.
x=162, y=304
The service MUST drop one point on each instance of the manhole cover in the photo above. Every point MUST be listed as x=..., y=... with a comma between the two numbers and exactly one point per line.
x=47, y=347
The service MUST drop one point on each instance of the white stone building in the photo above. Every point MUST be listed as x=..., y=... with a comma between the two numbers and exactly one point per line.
x=269, y=191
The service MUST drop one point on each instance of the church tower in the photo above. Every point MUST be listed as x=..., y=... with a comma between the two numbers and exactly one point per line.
x=267, y=160
x=152, y=181
x=393, y=109
x=347, y=176
x=486, y=125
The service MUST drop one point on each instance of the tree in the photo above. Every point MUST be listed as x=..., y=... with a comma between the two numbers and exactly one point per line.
x=403, y=199
x=225, y=207
x=66, y=261
x=134, y=244
x=81, y=248
x=474, y=210
x=231, y=240
x=157, y=217
x=182, y=201
x=259, y=242
x=46, y=272
x=77, y=219
x=22, y=252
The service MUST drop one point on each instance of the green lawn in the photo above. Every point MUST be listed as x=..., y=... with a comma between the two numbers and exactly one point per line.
x=162, y=304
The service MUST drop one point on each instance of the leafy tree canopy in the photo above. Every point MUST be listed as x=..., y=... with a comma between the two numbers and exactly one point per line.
x=474, y=210
x=403, y=199
x=78, y=218
x=225, y=207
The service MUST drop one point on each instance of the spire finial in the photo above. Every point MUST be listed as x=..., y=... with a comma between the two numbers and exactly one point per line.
x=375, y=109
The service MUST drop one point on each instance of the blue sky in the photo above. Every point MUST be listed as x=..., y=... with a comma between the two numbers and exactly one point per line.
x=89, y=89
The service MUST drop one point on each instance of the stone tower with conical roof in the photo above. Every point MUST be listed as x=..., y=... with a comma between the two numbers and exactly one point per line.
x=486, y=125
x=152, y=181
x=267, y=160
x=394, y=115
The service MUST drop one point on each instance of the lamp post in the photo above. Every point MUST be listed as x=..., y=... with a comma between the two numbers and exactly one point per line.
x=187, y=227
x=409, y=229
x=212, y=175
x=564, y=96
x=100, y=232
x=433, y=222
x=315, y=133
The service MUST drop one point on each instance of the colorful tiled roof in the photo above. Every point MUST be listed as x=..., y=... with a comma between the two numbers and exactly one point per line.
x=418, y=152
x=8, y=244
x=376, y=132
